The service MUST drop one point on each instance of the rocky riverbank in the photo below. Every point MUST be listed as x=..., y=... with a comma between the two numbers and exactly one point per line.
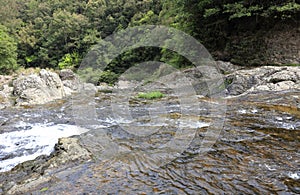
x=46, y=86
x=39, y=88
x=267, y=78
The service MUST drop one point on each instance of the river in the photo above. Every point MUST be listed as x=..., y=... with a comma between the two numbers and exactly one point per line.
x=256, y=150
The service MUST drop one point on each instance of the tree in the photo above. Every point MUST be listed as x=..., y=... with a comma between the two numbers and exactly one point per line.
x=8, y=52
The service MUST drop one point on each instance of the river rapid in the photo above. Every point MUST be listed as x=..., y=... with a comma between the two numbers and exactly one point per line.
x=255, y=152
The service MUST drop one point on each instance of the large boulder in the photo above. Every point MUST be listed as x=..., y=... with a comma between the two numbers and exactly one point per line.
x=38, y=88
x=267, y=78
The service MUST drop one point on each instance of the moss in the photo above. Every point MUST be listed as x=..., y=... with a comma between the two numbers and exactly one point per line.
x=44, y=189
x=151, y=95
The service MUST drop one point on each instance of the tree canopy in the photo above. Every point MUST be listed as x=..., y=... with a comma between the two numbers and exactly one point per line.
x=58, y=34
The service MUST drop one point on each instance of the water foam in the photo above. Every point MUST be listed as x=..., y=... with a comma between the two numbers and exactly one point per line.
x=28, y=144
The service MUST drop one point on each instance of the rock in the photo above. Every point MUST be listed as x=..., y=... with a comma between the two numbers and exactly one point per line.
x=74, y=85
x=104, y=87
x=68, y=91
x=7, y=89
x=38, y=89
x=227, y=67
x=4, y=100
x=201, y=80
x=5, y=79
x=267, y=78
x=284, y=85
x=31, y=174
x=88, y=87
x=69, y=150
x=67, y=74
x=5, y=96
x=70, y=81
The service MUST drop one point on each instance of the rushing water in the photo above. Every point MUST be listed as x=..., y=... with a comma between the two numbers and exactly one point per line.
x=256, y=151
x=35, y=140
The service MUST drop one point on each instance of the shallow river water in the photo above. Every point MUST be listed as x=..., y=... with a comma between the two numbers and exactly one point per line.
x=256, y=150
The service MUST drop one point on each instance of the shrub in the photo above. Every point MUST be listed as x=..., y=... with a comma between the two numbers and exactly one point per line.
x=69, y=61
x=97, y=76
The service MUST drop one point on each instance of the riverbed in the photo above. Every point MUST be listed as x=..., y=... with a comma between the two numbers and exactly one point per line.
x=256, y=150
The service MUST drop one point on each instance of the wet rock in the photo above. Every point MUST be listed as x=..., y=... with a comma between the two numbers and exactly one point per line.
x=69, y=150
x=30, y=175
x=38, y=89
x=267, y=78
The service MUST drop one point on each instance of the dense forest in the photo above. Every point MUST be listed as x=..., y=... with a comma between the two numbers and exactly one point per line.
x=58, y=34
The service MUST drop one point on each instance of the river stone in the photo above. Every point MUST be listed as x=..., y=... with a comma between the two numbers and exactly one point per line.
x=266, y=78
x=38, y=88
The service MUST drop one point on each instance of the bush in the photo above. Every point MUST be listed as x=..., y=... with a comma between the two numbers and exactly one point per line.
x=108, y=77
x=97, y=76
x=69, y=61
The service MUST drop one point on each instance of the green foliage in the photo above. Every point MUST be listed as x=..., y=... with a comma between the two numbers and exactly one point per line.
x=144, y=18
x=97, y=76
x=285, y=10
x=57, y=34
x=69, y=61
x=108, y=77
x=8, y=52
x=219, y=25
x=210, y=12
x=151, y=95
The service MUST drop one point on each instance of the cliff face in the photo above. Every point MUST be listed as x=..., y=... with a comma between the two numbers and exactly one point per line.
x=270, y=43
x=283, y=44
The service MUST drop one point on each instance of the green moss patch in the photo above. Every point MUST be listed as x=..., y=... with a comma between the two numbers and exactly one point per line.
x=151, y=95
